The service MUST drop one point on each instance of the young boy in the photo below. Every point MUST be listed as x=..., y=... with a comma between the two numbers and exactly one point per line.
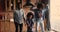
x=29, y=21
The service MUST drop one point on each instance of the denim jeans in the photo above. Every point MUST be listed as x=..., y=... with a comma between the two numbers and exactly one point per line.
x=40, y=23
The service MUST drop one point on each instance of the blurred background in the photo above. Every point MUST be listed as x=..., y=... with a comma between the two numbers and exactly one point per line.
x=6, y=14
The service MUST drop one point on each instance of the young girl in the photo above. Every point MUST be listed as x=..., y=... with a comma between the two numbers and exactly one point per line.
x=29, y=21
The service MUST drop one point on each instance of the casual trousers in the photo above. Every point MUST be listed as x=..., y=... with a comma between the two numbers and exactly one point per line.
x=18, y=25
x=48, y=27
x=29, y=29
x=40, y=24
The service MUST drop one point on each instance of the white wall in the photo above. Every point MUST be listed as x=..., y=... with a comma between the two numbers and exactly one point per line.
x=55, y=14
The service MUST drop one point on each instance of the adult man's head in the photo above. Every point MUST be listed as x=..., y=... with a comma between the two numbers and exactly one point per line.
x=18, y=5
x=40, y=6
x=44, y=4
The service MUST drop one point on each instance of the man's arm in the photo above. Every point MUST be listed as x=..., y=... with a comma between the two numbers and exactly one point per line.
x=15, y=16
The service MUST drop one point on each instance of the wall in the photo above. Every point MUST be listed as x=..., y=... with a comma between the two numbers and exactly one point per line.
x=55, y=14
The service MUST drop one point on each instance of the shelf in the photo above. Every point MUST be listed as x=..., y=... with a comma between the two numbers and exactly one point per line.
x=6, y=16
x=4, y=20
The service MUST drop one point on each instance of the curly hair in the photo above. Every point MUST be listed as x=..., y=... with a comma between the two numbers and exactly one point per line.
x=29, y=14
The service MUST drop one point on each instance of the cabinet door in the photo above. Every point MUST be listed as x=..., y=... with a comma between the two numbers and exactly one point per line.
x=0, y=26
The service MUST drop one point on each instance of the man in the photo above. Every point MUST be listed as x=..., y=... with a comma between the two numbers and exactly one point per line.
x=39, y=17
x=46, y=12
x=18, y=18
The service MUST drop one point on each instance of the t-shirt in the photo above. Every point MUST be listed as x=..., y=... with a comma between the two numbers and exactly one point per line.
x=18, y=16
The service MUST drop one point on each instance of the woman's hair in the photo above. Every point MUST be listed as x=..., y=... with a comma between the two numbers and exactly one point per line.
x=29, y=14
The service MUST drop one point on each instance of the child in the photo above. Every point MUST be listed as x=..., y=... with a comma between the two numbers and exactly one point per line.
x=29, y=21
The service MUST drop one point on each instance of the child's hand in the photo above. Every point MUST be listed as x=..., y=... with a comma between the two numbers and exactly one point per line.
x=25, y=23
x=40, y=15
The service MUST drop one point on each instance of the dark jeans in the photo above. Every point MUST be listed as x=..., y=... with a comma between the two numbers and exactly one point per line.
x=20, y=26
x=29, y=29
x=48, y=25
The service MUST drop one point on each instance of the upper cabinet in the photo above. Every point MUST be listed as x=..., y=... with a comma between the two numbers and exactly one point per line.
x=11, y=5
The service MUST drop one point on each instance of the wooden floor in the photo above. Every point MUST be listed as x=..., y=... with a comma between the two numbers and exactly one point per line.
x=7, y=26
